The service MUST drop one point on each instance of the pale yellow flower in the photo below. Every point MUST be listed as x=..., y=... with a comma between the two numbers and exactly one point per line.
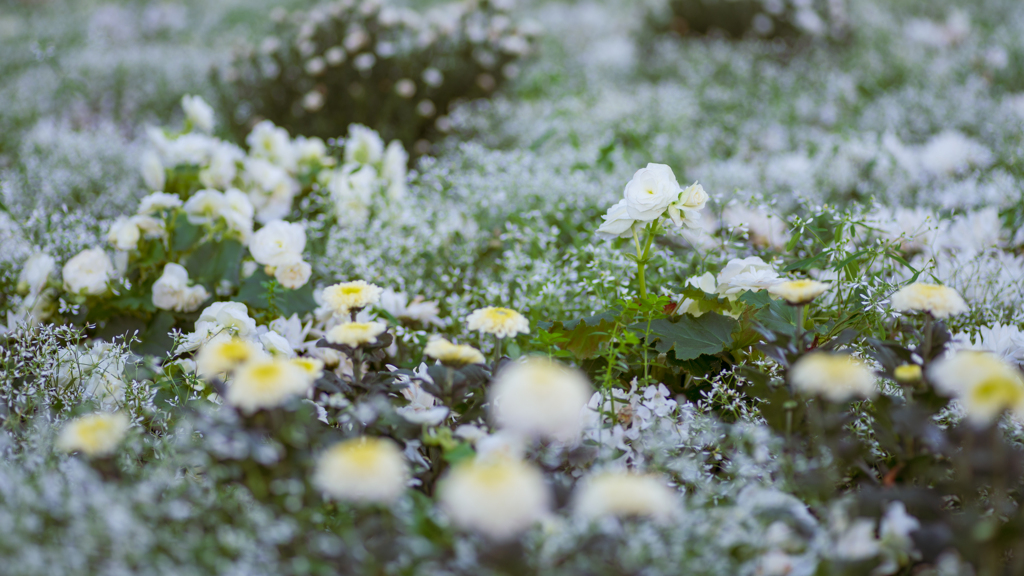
x=502, y=322
x=356, y=333
x=498, y=496
x=907, y=373
x=454, y=354
x=625, y=494
x=939, y=301
x=836, y=377
x=363, y=469
x=267, y=383
x=985, y=384
x=348, y=296
x=538, y=397
x=94, y=434
x=224, y=354
x=313, y=368
x=798, y=292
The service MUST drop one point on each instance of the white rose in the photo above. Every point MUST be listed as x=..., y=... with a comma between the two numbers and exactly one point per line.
x=271, y=142
x=172, y=292
x=686, y=209
x=279, y=243
x=158, y=201
x=36, y=272
x=293, y=276
x=198, y=112
x=230, y=316
x=124, y=234
x=650, y=192
x=238, y=212
x=617, y=223
x=153, y=170
x=205, y=206
x=149, y=227
x=88, y=272
x=223, y=167
x=352, y=192
x=741, y=275
x=363, y=145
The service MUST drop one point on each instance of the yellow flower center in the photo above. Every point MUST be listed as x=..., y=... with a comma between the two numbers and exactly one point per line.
x=499, y=313
x=351, y=290
x=998, y=391
x=235, y=351
x=908, y=373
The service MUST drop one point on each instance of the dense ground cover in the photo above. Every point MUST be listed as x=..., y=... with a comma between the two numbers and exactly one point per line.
x=512, y=287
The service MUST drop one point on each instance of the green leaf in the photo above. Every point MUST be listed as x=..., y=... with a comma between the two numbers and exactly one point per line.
x=289, y=302
x=689, y=337
x=585, y=335
x=186, y=234
x=213, y=262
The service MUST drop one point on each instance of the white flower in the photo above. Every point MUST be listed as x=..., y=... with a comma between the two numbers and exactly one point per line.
x=397, y=304
x=798, y=291
x=617, y=223
x=501, y=322
x=363, y=145
x=88, y=272
x=625, y=494
x=311, y=150
x=986, y=385
x=279, y=243
x=344, y=297
x=362, y=470
x=36, y=272
x=897, y=526
x=124, y=234
x=224, y=353
x=394, y=170
x=156, y=202
x=272, y=143
x=172, y=292
x=837, y=377
x=205, y=207
x=231, y=317
x=94, y=434
x=686, y=210
x=741, y=275
x=939, y=301
x=153, y=173
x=541, y=398
x=352, y=193
x=1005, y=341
x=198, y=112
x=858, y=541
x=650, y=192
x=266, y=383
x=356, y=333
x=293, y=276
x=421, y=409
x=223, y=166
x=452, y=354
x=276, y=344
x=763, y=228
x=497, y=496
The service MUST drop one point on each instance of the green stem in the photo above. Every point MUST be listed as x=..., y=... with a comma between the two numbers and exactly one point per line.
x=640, y=263
x=799, y=335
x=497, y=355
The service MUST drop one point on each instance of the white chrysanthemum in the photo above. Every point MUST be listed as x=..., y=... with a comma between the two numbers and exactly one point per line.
x=266, y=383
x=88, y=272
x=198, y=112
x=836, y=377
x=539, y=397
x=362, y=470
x=312, y=367
x=650, y=191
x=454, y=354
x=986, y=385
x=279, y=243
x=94, y=434
x=497, y=496
x=798, y=291
x=356, y=333
x=1003, y=340
x=223, y=354
x=363, y=145
x=939, y=301
x=172, y=292
x=205, y=207
x=625, y=494
x=501, y=322
x=348, y=296
x=158, y=201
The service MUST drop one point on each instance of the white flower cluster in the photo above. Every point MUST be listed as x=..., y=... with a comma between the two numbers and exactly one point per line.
x=370, y=174
x=651, y=193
